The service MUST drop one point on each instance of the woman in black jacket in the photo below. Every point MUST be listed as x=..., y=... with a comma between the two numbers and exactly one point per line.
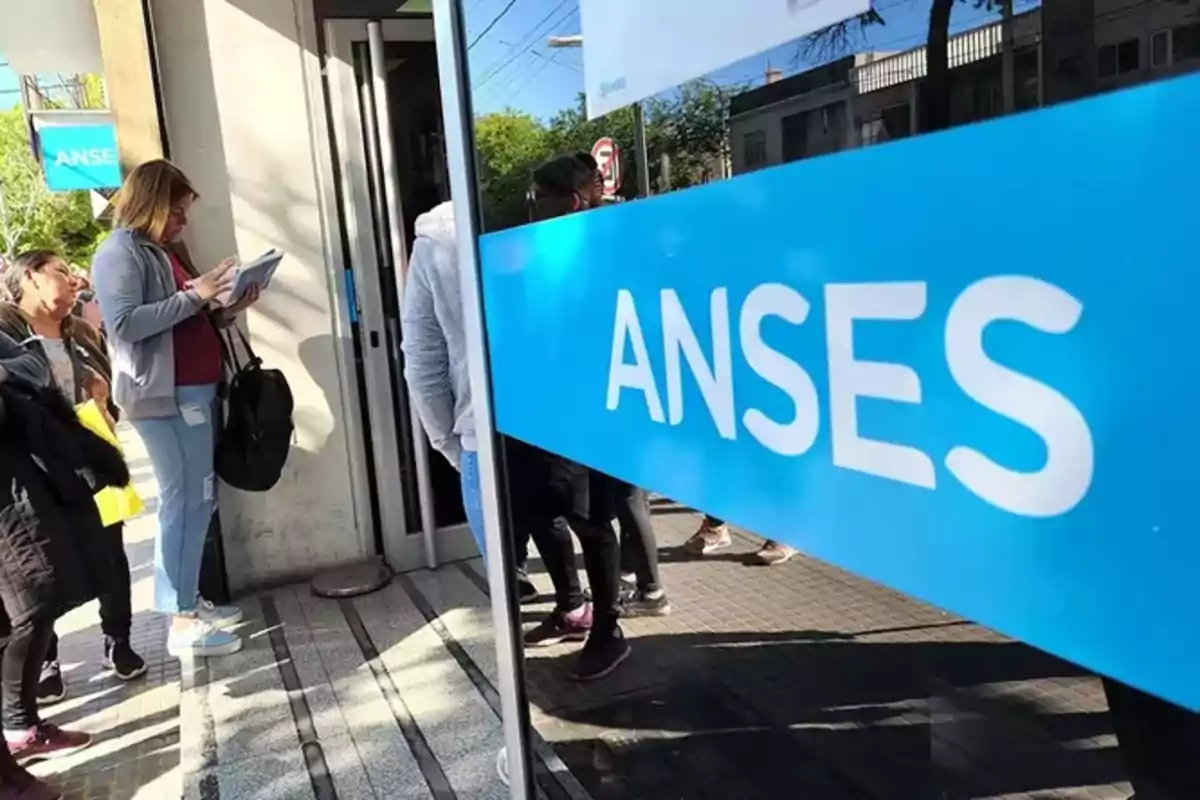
x=40, y=293
x=50, y=561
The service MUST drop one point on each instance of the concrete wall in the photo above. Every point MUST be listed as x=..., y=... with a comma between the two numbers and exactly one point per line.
x=770, y=119
x=1119, y=20
x=238, y=124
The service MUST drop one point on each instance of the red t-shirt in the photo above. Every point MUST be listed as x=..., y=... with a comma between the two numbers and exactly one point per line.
x=197, y=346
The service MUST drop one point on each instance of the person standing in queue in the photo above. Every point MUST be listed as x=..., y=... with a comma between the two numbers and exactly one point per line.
x=435, y=364
x=53, y=556
x=162, y=324
x=40, y=296
x=435, y=354
x=642, y=592
x=585, y=498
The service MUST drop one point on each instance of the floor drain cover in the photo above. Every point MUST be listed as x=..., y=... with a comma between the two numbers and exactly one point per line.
x=353, y=580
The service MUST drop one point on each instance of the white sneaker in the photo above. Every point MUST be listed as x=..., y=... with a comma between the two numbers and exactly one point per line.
x=201, y=639
x=219, y=616
x=502, y=765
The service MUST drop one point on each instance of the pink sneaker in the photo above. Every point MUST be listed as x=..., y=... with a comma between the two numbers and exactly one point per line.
x=48, y=741
x=559, y=627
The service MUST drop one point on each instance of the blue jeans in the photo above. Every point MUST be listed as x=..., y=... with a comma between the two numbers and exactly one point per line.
x=181, y=452
x=472, y=496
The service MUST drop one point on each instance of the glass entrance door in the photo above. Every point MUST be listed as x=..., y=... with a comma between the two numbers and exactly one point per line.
x=388, y=148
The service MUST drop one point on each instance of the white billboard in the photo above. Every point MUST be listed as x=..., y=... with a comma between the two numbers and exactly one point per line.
x=633, y=49
x=49, y=36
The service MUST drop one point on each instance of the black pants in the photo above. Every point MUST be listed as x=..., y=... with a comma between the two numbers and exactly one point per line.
x=547, y=494
x=639, y=545
x=116, y=604
x=712, y=521
x=1159, y=741
x=552, y=537
x=21, y=669
x=601, y=562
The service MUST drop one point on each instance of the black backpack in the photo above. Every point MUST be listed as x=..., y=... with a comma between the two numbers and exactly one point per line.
x=256, y=430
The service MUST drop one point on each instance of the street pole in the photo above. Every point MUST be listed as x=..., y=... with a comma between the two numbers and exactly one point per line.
x=1008, y=78
x=30, y=102
x=639, y=145
x=639, y=121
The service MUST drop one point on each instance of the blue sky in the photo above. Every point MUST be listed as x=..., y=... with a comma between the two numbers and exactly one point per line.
x=512, y=66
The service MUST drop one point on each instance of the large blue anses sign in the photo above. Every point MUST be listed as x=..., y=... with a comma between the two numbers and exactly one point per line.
x=963, y=365
x=80, y=156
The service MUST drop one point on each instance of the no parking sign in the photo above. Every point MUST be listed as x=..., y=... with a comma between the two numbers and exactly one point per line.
x=608, y=158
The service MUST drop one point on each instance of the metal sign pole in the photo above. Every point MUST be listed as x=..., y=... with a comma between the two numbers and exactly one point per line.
x=639, y=145
x=456, y=105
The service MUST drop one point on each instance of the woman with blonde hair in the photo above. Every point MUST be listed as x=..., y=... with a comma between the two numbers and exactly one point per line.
x=161, y=319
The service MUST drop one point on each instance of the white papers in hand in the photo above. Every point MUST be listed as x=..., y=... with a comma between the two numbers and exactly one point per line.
x=256, y=273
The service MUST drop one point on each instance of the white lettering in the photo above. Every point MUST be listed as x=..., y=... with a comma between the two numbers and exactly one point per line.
x=796, y=437
x=850, y=379
x=62, y=159
x=715, y=382
x=1067, y=474
x=637, y=375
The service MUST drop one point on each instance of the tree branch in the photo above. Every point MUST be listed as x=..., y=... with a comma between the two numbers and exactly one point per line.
x=835, y=40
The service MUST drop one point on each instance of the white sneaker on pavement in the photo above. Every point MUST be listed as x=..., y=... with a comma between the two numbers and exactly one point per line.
x=502, y=765
x=219, y=616
x=200, y=639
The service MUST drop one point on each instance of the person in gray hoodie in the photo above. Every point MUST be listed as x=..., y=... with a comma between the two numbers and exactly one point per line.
x=435, y=354
x=435, y=364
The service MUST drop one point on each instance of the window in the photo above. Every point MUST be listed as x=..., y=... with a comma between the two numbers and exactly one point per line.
x=873, y=131
x=893, y=122
x=1160, y=49
x=1129, y=56
x=1068, y=67
x=795, y=136
x=754, y=149
x=1119, y=59
x=1185, y=42
x=897, y=121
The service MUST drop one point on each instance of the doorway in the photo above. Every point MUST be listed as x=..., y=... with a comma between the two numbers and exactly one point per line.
x=388, y=151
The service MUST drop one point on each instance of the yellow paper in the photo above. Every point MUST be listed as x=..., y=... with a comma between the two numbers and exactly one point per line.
x=116, y=505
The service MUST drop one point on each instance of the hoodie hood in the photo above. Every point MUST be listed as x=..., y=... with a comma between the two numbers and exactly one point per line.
x=438, y=224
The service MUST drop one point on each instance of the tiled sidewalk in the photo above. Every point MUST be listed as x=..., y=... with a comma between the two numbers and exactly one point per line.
x=802, y=680
x=795, y=681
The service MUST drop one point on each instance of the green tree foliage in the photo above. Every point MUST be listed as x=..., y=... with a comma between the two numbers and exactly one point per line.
x=30, y=215
x=510, y=145
x=689, y=129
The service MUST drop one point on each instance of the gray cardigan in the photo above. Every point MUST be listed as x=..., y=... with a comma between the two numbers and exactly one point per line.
x=140, y=304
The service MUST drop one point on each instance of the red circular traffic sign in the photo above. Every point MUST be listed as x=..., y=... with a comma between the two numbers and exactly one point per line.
x=608, y=158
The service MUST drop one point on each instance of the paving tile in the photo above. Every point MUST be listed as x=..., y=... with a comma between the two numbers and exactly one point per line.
x=845, y=688
x=271, y=776
x=377, y=741
x=844, y=671
x=247, y=699
x=460, y=728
